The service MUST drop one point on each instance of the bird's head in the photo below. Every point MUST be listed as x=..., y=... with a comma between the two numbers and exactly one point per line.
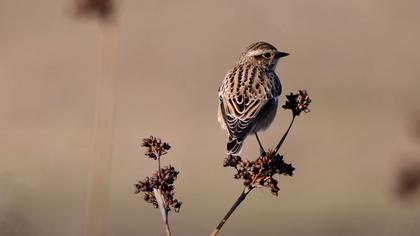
x=263, y=54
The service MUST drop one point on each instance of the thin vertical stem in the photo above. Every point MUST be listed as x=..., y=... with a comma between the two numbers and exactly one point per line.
x=159, y=172
x=168, y=230
x=100, y=164
x=161, y=200
x=284, y=136
x=238, y=201
x=162, y=207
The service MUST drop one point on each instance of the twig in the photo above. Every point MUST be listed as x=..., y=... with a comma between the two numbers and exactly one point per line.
x=232, y=209
x=161, y=203
x=159, y=189
x=168, y=230
x=159, y=171
x=103, y=128
x=284, y=136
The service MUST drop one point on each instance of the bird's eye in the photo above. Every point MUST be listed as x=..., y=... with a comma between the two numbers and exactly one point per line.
x=267, y=55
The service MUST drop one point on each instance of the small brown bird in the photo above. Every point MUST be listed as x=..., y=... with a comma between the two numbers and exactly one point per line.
x=248, y=95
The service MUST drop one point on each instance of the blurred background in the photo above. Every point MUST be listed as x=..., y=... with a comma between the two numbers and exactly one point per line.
x=359, y=61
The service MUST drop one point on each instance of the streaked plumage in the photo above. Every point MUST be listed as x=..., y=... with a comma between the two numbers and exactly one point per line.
x=248, y=94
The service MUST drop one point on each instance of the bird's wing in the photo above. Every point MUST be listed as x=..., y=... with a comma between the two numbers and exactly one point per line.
x=244, y=92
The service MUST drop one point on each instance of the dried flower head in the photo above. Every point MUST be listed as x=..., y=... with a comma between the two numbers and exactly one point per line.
x=409, y=180
x=155, y=147
x=101, y=8
x=298, y=102
x=260, y=172
x=165, y=183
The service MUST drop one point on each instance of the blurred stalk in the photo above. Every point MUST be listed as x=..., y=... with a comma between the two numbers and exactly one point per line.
x=103, y=131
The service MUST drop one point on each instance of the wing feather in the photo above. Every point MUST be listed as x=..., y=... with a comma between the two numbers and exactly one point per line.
x=242, y=98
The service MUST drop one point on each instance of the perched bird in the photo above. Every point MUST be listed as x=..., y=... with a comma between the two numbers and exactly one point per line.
x=248, y=95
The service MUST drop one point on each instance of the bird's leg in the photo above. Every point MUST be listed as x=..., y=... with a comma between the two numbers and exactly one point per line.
x=262, y=152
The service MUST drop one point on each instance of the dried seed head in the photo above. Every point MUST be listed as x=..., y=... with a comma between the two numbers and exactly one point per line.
x=165, y=183
x=231, y=160
x=154, y=147
x=102, y=8
x=409, y=180
x=260, y=172
x=298, y=102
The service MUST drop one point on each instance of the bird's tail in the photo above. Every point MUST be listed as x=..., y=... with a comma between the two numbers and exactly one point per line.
x=234, y=146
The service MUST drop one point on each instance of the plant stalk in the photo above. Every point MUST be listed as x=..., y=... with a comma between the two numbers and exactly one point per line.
x=232, y=209
x=284, y=136
x=159, y=172
x=100, y=163
x=161, y=203
x=168, y=230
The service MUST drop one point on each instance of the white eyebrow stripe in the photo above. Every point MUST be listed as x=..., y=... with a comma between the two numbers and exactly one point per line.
x=256, y=52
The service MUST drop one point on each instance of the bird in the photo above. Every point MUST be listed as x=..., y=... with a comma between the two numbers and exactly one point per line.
x=248, y=95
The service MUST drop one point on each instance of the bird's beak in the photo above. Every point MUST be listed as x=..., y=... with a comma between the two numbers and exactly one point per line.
x=282, y=54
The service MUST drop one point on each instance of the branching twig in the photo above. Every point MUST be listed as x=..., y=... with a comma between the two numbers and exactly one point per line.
x=159, y=189
x=260, y=172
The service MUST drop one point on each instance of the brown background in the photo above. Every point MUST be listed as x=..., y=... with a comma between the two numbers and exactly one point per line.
x=359, y=60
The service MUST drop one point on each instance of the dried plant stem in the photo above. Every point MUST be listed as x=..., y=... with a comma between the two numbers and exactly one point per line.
x=284, y=136
x=161, y=201
x=102, y=135
x=260, y=172
x=248, y=189
x=168, y=230
x=232, y=209
x=159, y=171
